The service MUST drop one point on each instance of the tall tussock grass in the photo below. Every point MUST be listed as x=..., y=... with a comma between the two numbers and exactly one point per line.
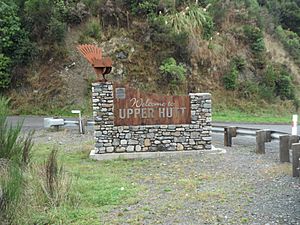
x=25, y=184
x=15, y=154
x=55, y=182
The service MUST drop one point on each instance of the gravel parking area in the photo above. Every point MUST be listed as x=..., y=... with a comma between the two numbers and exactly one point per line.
x=238, y=187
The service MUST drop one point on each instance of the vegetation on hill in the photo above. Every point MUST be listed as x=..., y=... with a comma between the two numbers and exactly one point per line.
x=159, y=45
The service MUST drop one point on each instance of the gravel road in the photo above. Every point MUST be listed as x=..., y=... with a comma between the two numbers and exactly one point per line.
x=238, y=187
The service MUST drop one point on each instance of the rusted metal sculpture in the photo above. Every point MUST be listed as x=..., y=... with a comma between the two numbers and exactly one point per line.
x=93, y=54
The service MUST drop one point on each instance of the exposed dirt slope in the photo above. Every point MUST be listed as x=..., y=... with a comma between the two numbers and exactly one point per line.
x=279, y=55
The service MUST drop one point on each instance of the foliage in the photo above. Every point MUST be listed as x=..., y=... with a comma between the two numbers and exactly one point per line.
x=5, y=77
x=173, y=74
x=284, y=86
x=193, y=20
x=93, y=29
x=173, y=42
x=75, y=12
x=230, y=79
x=89, y=194
x=248, y=89
x=255, y=37
x=278, y=82
x=56, y=30
x=12, y=146
x=286, y=12
x=55, y=183
x=11, y=188
x=93, y=6
x=16, y=152
x=143, y=7
x=291, y=42
x=15, y=48
x=45, y=17
x=239, y=62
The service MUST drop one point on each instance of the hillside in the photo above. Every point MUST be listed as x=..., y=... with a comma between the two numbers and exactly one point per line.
x=243, y=52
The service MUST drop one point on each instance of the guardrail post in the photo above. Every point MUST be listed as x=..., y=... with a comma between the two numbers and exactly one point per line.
x=83, y=122
x=284, y=144
x=229, y=133
x=262, y=136
x=296, y=156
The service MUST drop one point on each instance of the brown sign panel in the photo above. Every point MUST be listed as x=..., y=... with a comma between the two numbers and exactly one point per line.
x=133, y=107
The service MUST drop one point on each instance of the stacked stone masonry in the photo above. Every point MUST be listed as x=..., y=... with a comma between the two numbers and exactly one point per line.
x=149, y=138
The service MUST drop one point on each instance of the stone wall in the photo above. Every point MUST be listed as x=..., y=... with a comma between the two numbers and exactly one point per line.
x=149, y=138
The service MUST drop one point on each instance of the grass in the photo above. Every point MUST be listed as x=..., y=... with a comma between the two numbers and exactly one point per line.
x=236, y=116
x=96, y=187
x=86, y=110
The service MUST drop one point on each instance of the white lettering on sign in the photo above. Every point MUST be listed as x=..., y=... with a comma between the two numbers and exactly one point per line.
x=150, y=113
x=141, y=103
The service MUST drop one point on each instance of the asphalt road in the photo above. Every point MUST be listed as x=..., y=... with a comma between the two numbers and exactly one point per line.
x=37, y=122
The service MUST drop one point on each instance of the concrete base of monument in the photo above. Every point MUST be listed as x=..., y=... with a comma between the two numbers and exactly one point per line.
x=144, y=155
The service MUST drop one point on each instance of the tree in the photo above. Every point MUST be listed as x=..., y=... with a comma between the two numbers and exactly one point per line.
x=15, y=47
x=44, y=19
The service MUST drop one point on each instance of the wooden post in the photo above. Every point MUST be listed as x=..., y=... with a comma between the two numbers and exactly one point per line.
x=284, y=153
x=293, y=139
x=296, y=156
x=229, y=132
x=262, y=136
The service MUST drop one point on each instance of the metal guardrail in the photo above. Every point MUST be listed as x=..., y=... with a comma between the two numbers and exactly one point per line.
x=286, y=142
x=247, y=131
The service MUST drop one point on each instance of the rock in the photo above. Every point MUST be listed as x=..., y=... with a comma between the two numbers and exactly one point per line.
x=116, y=142
x=122, y=55
x=130, y=148
x=120, y=149
x=147, y=142
x=179, y=147
x=110, y=149
x=123, y=142
x=138, y=148
x=133, y=142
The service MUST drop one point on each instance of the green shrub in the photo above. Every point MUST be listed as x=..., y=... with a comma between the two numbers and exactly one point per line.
x=270, y=76
x=239, y=62
x=173, y=43
x=76, y=12
x=278, y=81
x=143, y=7
x=230, y=79
x=15, y=47
x=248, y=89
x=173, y=74
x=56, y=30
x=45, y=17
x=5, y=76
x=267, y=92
x=256, y=38
x=94, y=6
x=93, y=29
x=287, y=13
x=284, y=86
x=291, y=42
